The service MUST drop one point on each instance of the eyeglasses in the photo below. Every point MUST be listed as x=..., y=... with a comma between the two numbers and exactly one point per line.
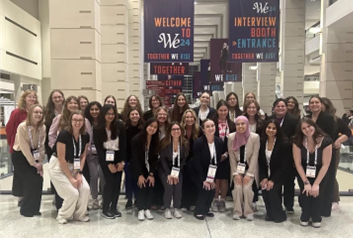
x=162, y=115
x=176, y=129
x=155, y=100
x=76, y=120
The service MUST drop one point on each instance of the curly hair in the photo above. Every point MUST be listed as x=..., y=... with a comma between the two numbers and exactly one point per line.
x=126, y=107
x=21, y=104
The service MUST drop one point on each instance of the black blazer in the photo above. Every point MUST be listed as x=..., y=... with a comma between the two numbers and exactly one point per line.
x=137, y=162
x=165, y=164
x=280, y=161
x=201, y=156
x=327, y=124
x=191, y=143
x=119, y=155
x=289, y=124
x=210, y=115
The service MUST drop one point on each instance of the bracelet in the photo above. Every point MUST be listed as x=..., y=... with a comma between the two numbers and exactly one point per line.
x=80, y=172
x=306, y=182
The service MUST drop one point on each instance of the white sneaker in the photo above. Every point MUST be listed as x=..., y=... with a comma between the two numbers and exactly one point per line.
x=235, y=216
x=148, y=215
x=168, y=214
x=62, y=220
x=177, y=213
x=141, y=216
x=95, y=205
x=335, y=206
x=316, y=224
x=254, y=207
x=250, y=217
x=85, y=219
x=183, y=209
x=304, y=223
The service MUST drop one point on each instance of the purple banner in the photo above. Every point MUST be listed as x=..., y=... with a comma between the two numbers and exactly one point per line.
x=172, y=81
x=204, y=72
x=169, y=68
x=253, y=30
x=196, y=85
x=221, y=70
x=168, y=30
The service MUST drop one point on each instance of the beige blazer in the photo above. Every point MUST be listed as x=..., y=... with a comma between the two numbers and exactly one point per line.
x=252, y=151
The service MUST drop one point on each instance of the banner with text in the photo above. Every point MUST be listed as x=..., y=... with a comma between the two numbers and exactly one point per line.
x=168, y=30
x=221, y=70
x=157, y=86
x=169, y=68
x=253, y=30
x=204, y=72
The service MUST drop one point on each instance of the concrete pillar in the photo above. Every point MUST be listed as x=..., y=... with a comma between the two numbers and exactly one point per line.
x=249, y=79
x=238, y=89
x=75, y=47
x=266, y=73
x=293, y=48
x=227, y=88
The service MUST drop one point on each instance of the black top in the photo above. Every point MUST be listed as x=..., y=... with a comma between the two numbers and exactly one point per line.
x=202, y=158
x=327, y=124
x=137, y=163
x=66, y=138
x=148, y=114
x=280, y=161
x=166, y=159
x=325, y=142
x=191, y=143
x=342, y=128
x=130, y=133
x=289, y=124
x=210, y=115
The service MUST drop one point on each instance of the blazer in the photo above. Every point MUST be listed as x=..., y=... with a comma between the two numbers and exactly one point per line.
x=17, y=116
x=165, y=164
x=280, y=161
x=327, y=124
x=137, y=162
x=252, y=151
x=210, y=115
x=289, y=124
x=201, y=156
x=191, y=143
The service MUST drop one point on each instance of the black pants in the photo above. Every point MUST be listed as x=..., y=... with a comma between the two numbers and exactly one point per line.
x=272, y=200
x=289, y=189
x=255, y=190
x=189, y=190
x=32, y=184
x=145, y=196
x=328, y=184
x=204, y=200
x=17, y=185
x=171, y=191
x=310, y=206
x=111, y=189
x=158, y=191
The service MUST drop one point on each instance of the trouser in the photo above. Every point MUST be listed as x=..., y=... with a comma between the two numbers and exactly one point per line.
x=310, y=206
x=86, y=171
x=145, y=196
x=32, y=184
x=189, y=190
x=243, y=194
x=95, y=173
x=272, y=200
x=158, y=191
x=75, y=199
x=255, y=190
x=131, y=187
x=289, y=189
x=17, y=185
x=328, y=184
x=111, y=189
x=336, y=185
x=204, y=200
x=171, y=191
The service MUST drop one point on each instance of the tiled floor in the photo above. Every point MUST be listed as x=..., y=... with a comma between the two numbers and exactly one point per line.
x=12, y=224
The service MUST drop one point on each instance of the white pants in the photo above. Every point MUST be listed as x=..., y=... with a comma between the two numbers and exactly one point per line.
x=75, y=200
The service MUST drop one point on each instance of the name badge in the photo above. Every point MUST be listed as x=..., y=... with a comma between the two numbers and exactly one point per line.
x=211, y=173
x=77, y=164
x=175, y=172
x=241, y=168
x=36, y=154
x=93, y=149
x=310, y=171
x=110, y=155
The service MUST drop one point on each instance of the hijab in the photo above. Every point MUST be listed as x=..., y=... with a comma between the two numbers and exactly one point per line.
x=241, y=138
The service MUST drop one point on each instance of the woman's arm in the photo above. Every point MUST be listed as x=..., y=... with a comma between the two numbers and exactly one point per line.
x=10, y=128
x=134, y=165
x=254, y=158
x=297, y=162
x=53, y=131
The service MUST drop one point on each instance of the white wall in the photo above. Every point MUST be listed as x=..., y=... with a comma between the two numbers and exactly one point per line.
x=29, y=6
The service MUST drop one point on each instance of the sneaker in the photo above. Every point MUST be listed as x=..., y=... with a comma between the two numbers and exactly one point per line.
x=316, y=224
x=222, y=206
x=304, y=223
x=95, y=204
x=235, y=216
x=108, y=214
x=192, y=208
x=129, y=204
x=249, y=217
x=85, y=219
x=62, y=220
x=148, y=215
x=215, y=205
x=141, y=216
x=183, y=209
x=168, y=214
x=335, y=206
x=116, y=213
x=177, y=213
x=254, y=207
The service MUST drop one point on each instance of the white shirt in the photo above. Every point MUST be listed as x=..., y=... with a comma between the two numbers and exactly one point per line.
x=111, y=144
x=253, y=128
x=203, y=115
x=211, y=149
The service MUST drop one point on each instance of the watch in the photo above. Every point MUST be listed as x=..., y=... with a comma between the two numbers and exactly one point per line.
x=306, y=182
x=80, y=172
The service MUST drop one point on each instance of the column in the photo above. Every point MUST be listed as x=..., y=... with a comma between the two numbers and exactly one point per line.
x=115, y=50
x=249, y=79
x=75, y=45
x=238, y=89
x=293, y=48
x=266, y=73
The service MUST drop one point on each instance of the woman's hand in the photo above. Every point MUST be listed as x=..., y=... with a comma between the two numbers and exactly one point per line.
x=206, y=185
x=223, y=157
x=170, y=180
x=270, y=185
x=337, y=144
x=112, y=168
x=264, y=184
x=151, y=181
x=176, y=181
x=238, y=180
x=141, y=181
x=212, y=185
x=73, y=182
x=307, y=189
x=119, y=167
x=79, y=180
x=246, y=180
x=315, y=190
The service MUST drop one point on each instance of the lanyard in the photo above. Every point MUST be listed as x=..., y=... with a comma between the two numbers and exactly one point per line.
x=31, y=139
x=147, y=160
x=80, y=147
x=282, y=122
x=308, y=154
x=245, y=158
x=178, y=159
x=214, y=153
x=266, y=149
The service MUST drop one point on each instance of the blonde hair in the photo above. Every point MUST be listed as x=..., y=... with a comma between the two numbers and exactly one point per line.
x=29, y=119
x=69, y=127
x=21, y=104
x=244, y=99
x=196, y=128
x=167, y=122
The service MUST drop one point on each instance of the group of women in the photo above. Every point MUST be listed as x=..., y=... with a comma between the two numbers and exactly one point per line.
x=177, y=159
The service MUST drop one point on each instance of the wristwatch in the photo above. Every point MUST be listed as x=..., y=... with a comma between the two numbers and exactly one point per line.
x=80, y=172
x=306, y=182
x=151, y=174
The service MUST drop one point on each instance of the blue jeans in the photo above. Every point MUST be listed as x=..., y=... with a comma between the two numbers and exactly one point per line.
x=130, y=183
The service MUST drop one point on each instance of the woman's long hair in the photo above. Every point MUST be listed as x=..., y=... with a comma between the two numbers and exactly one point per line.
x=299, y=136
x=258, y=118
x=244, y=100
x=157, y=98
x=167, y=122
x=279, y=136
x=29, y=119
x=296, y=110
x=65, y=115
x=69, y=127
x=167, y=140
x=175, y=114
x=21, y=104
x=128, y=123
x=126, y=107
x=154, y=143
x=50, y=107
x=195, y=128
x=237, y=107
x=102, y=123
x=88, y=108
x=231, y=124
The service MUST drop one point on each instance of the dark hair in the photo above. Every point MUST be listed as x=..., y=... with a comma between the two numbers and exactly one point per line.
x=167, y=140
x=276, y=102
x=128, y=123
x=82, y=97
x=206, y=120
x=50, y=107
x=299, y=136
x=237, y=107
x=154, y=143
x=318, y=97
x=296, y=111
x=158, y=98
x=102, y=122
x=175, y=114
x=231, y=124
x=279, y=136
x=88, y=108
